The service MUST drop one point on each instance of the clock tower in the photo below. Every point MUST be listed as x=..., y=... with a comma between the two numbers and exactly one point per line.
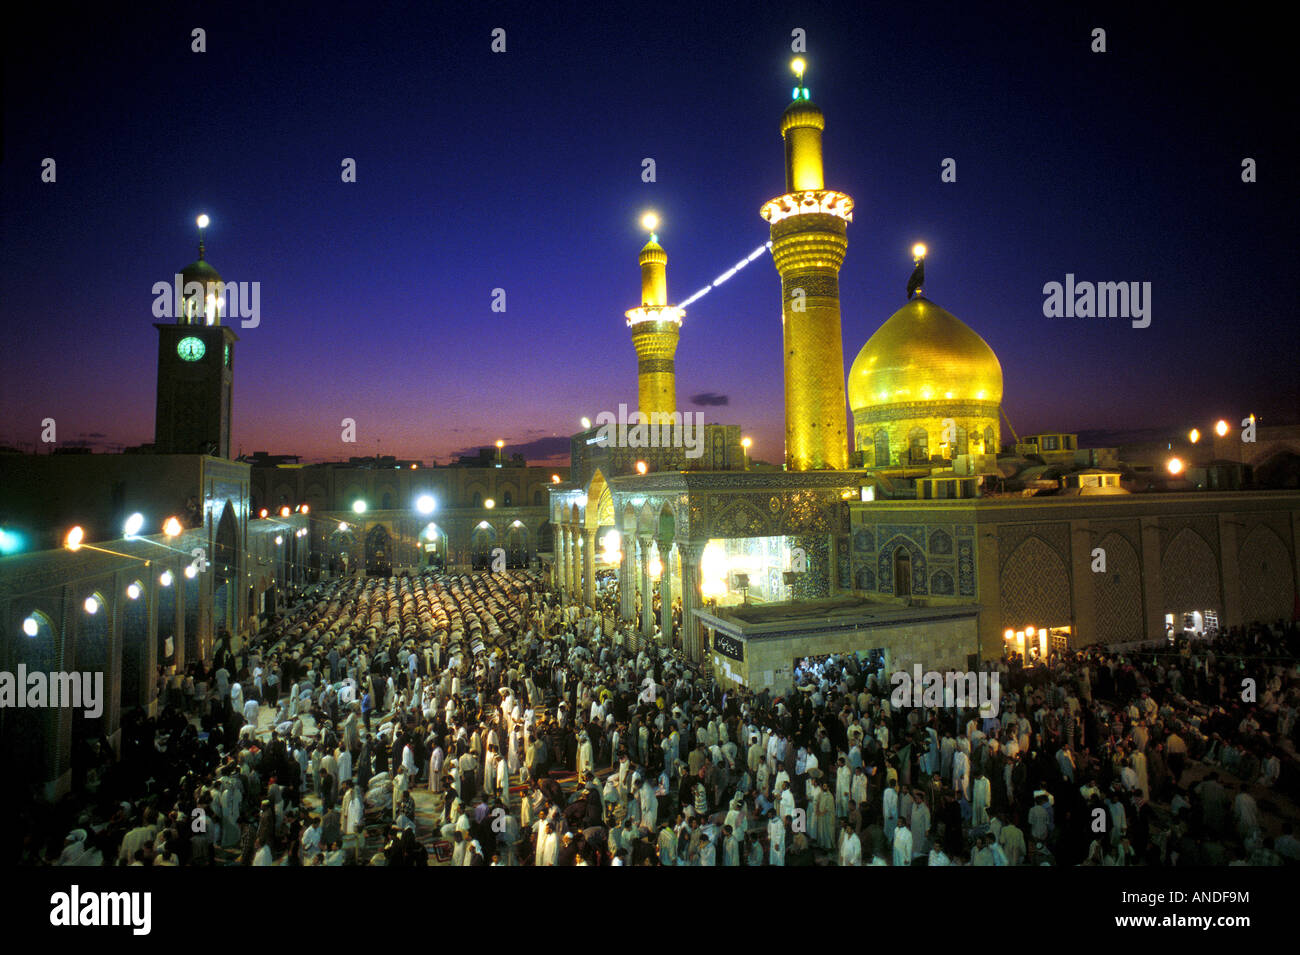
x=195, y=368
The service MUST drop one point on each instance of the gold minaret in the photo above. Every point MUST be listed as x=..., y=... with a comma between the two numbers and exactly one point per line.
x=809, y=226
x=656, y=327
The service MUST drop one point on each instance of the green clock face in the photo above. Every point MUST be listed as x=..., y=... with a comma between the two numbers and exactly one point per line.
x=190, y=349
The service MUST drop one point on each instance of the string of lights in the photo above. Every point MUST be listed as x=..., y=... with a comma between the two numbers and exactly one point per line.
x=727, y=274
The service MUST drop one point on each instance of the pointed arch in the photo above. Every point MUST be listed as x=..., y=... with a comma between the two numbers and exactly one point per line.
x=1267, y=578
x=1118, y=592
x=1190, y=574
x=1035, y=587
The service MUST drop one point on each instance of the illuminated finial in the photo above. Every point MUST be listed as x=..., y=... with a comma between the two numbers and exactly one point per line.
x=650, y=222
x=202, y=221
x=798, y=65
x=918, y=273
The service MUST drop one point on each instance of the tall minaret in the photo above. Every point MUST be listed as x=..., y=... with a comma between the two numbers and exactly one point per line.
x=656, y=326
x=809, y=226
x=195, y=366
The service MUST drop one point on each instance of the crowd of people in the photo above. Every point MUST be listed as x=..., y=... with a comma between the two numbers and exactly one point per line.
x=487, y=720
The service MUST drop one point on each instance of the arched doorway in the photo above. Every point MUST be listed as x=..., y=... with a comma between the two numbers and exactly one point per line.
x=902, y=573
x=918, y=445
x=482, y=542
x=880, y=448
x=225, y=566
x=341, y=549
x=379, y=552
x=433, y=547
x=517, y=545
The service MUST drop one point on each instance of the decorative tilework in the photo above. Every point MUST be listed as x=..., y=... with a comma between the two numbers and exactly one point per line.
x=1119, y=592
x=885, y=564
x=1055, y=535
x=816, y=582
x=1267, y=588
x=915, y=531
x=940, y=543
x=863, y=540
x=1204, y=526
x=941, y=584
x=1035, y=587
x=1130, y=531
x=966, y=567
x=1190, y=574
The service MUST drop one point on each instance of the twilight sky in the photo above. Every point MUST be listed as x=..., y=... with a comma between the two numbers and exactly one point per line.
x=522, y=170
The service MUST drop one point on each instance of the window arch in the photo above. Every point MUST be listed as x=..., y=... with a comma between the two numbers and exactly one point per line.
x=902, y=573
x=918, y=444
x=880, y=448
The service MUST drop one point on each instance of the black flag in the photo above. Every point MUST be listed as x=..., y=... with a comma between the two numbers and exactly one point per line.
x=917, y=280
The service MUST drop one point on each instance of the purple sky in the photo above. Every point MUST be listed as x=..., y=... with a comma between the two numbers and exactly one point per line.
x=521, y=171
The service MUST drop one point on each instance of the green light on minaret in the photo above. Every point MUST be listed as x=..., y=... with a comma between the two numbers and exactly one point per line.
x=800, y=91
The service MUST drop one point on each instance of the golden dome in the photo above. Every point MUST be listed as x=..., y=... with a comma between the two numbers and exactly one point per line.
x=923, y=353
x=802, y=112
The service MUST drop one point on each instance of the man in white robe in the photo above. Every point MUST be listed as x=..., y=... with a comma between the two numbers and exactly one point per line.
x=775, y=840
x=503, y=779
x=585, y=761
x=459, y=848
x=850, y=848
x=310, y=839
x=785, y=804
x=981, y=795
x=708, y=853
x=435, y=769
x=649, y=804
x=548, y=843
x=823, y=818
x=490, y=773
x=401, y=783
x=843, y=788
x=858, y=790
x=961, y=773
x=731, y=843
x=902, y=846
x=889, y=806
x=920, y=826
x=354, y=811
